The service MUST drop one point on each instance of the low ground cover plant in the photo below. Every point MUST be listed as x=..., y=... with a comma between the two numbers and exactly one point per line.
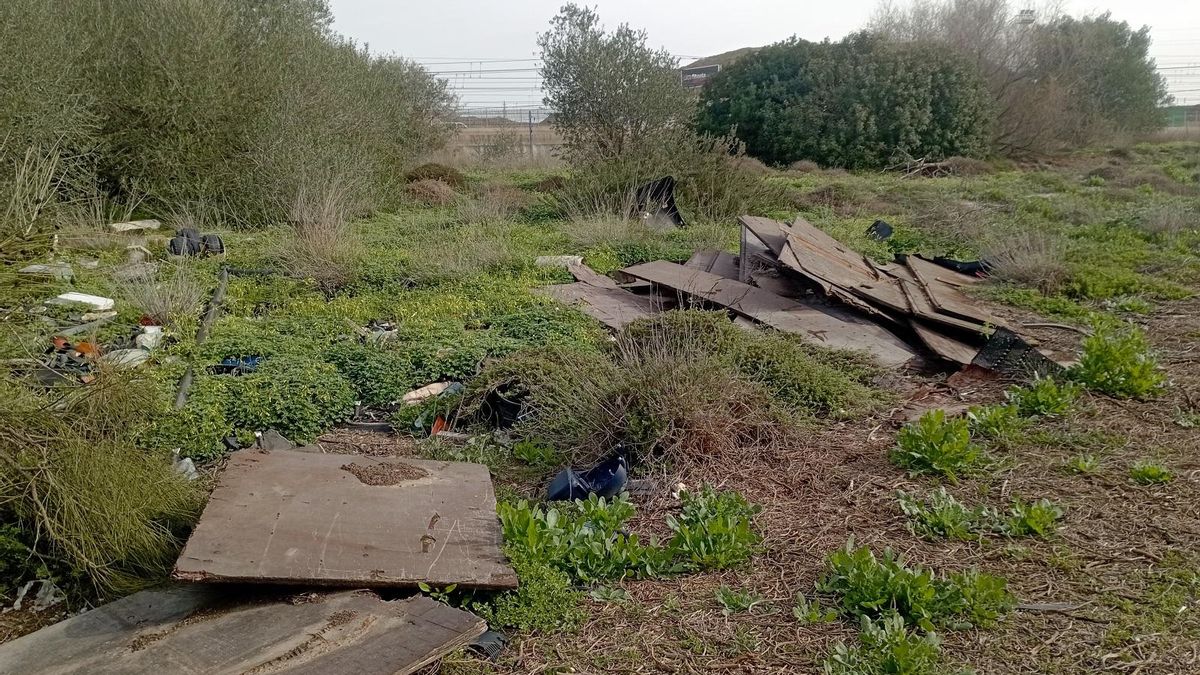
x=886, y=647
x=941, y=515
x=1150, y=473
x=937, y=445
x=1117, y=361
x=1046, y=397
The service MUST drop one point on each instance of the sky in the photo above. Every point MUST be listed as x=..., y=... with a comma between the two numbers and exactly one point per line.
x=457, y=39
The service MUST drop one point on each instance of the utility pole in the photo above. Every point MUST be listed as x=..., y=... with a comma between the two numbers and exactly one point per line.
x=530, y=134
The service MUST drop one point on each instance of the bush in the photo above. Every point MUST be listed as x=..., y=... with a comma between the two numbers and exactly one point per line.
x=430, y=192
x=876, y=588
x=1033, y=259
x=298, y=397
x=322, y=245
x=170, y=297
x=1046, y=397
x=1150, y=473
x=545, y=601
x=934, y=444
x=438, y=172
x=788, y=102
x=887, y=647
x=1117, y=361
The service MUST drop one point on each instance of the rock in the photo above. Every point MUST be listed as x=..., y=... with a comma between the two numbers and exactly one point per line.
x=58, y=271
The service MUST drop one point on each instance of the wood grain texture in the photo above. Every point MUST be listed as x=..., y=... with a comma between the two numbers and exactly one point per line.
x=613, y=307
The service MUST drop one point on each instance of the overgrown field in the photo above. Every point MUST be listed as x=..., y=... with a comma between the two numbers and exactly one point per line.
x=1055, y=528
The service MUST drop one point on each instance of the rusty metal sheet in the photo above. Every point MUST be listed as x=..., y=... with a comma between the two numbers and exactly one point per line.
x=720, y=263
x=348, y=520
x=613, y=307
x=197, y=629
x=943, y=285
x=818, y=325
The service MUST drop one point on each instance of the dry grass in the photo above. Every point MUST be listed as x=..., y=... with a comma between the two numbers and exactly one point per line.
x=439, y=172
x=322, y=245
x=492, y=202
x=1169, y=220
x=170, y=297
x=611, y=231
x=804, y=166
x=1027, y=258
x=430, y=192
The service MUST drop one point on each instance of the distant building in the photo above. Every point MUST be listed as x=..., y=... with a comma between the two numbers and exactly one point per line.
x=1183, y=115
x=697, y=74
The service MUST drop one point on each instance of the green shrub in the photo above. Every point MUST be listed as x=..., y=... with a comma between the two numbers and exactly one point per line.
x=379, y=376
x=1117, y=361
x=1150, y=473
x=537, y=454
x=298, y=397
x=1046, y=397
x=934, y=444
x=1038, y=518
x=1086, y=463
x=545, y=600
x=736, y=602
x=875, y=588
x=887, y=647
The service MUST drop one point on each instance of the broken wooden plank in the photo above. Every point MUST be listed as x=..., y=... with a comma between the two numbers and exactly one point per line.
x=943, y=285
x=196, y=629
x=818, y=325
x=840, y=271
x=348, y=520
x=945, y=346
x=770, y=233
x=613, y=307
x=590, y=276
x=720, y=263
x=922, y=307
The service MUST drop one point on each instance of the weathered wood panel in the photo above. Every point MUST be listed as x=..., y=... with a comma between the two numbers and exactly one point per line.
x=198, y=629
x=613, y=307
x=818, y=325
x=720, y=263
x=943, y=286
x=300, y=518
x=590, y=276
x=945, y=346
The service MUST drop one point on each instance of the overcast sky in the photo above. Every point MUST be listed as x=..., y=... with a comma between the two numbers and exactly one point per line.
x=479, y=32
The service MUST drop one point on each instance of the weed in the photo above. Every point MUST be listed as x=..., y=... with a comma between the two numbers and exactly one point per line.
x=1038, y=518
x=887, y=647
x=170, y=299
x=808, y=612
x=1046, y=397
x=536, y=454
x=609, y=594
x=999, y=423
x=441, y=594
x=1083, y=464
x=1150, y=473
x=872, y=587
x=429, y=192
x=322, y=246
x=735, y=602
x=944, y=516
x=1168, y=220
x=934, y=444
x=545, y=600
x=1029, y=259
x=713, y=530
x=1117, y=361
x=298, y=397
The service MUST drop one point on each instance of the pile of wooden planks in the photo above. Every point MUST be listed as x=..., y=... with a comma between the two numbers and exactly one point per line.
x=798, y=279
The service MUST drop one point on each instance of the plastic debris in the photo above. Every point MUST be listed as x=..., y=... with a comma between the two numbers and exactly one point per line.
x=46, y=596
x=72, y=298
x=431, y=390
x=57, y=271
x=880, y=230
x=606, y=479
x=135, y=225
x=126, y=358
x=184, y=466
x=150, y=337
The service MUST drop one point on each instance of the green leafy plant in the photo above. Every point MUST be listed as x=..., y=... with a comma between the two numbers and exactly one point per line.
x=935, y=444
x=609, y=594
x=1046, y=397
x=536, y=454
x=999, y=423
x=1038, y=518
x=867, y=586
x=545, y=601
x=809, y=612
x=1117, y=360
x=944, y=516
x=713, y=530
x=735, y=602
x=441, y=594
x=1083, y=464
x=1150, y=473
x=886, y=647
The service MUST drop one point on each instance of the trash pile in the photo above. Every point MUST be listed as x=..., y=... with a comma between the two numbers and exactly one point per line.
x=798, y=279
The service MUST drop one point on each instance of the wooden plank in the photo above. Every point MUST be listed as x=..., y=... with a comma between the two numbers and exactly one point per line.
x=945, y=346
x=613, y=307
x=196, y=629
x=769, y=232
x=298, y=518
x=840, y=268
x=720, y=263
x=922, y=307
x=942, y=285
x=590, y=276
x=820, y=326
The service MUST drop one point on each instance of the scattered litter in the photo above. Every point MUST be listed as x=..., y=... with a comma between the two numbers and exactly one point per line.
x=150, y=337
x=189, y=242
x=300, y=518
x=558, y=260
x=190, y=629
x=654, y=203
x=97, y=316
x=236, y=365
x=184, y=465
x=489, y=645
x=720, y=263
x=455, y=437
x=136, y=253
x=126, y=358
x=56, y=271
x=430, y=391
x=135, y=225
x=880, y=230
x=272, y=440
x=134, y=271
x=971, y=267
x=47, y=595
x=606, y=479
x=590, y=276
x=89, y=263
x=73, y=298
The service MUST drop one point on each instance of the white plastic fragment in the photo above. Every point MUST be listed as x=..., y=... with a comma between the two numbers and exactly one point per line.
x=184, y=465
x=47, y=595
x=95, y=301
x=133, y=225
x=59, y=271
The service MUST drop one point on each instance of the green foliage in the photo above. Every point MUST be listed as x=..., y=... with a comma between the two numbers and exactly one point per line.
x=583, y=538
x=887, y=647
x=537, y=454
x=808, y=612
x=1046, y=397
x=875, y=588
x=944, y=516
x=18, y=561
x=1083, y=464
x=609, y=594
x=1038, y=518
x=545, y=600
x=1117, y=360
x=299, y=398
x=1150, y=473
x=788, y=103
x=733, y=601
x=935, y=444
x=999, y=423
x=439, y=172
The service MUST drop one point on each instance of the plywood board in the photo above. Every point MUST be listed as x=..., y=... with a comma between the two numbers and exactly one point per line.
x=348, y=520
x=840, y=269
x=613, y=307
x=943, y=286
x=921, y=306
x=818, y=325
x=590, y=276
x=769, y=232
x=198, y=629
x=945, y=346
x=720, y=263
